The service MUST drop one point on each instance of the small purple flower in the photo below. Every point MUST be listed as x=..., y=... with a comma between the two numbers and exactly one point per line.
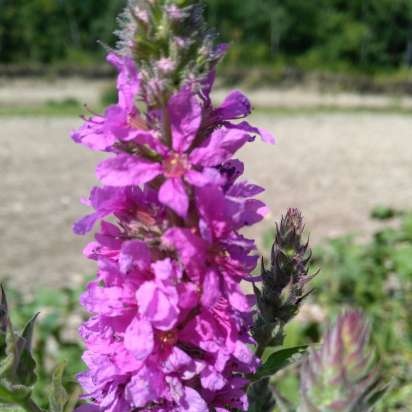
x=180, y=164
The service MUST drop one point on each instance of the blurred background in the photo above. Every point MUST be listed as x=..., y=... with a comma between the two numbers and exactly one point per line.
x=331, y=78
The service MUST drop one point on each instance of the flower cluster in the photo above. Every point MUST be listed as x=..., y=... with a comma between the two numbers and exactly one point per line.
x=284, y=285
x=170, y=42
x=170, y=323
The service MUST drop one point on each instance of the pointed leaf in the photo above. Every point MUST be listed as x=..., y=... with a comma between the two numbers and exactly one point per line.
x=278, y=361
x=58, y=395
x=25, y=373
x=4, y=311
x=13, y=393
x=5, y=408
x=7, y=363
x=4, y=321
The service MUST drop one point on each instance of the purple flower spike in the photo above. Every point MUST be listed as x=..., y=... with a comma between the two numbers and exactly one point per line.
x=169, y=326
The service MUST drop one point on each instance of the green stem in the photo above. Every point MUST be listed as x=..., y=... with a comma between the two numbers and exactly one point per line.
x=29, y=405
x=167, y=131
x=74, y=397
x=260, y=350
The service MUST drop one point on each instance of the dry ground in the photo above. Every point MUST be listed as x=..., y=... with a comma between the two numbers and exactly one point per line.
x=335, y=167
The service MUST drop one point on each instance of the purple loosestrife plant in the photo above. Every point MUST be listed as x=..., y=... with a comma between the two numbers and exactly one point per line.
x=169, y=326
x=341, y=375
x=283, y=288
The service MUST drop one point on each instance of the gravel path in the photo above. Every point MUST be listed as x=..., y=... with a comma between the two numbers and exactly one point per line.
x=334, y=167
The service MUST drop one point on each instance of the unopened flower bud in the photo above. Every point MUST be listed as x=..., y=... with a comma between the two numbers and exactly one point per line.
x=175, y=13
x=284, y=283
x=166, y=65
x=341, y=375
x=173, y=32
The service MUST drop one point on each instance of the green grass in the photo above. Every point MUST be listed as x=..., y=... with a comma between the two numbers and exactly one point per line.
x=64, y=108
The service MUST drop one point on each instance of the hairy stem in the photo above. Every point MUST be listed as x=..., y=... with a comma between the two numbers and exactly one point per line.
x=30, y=406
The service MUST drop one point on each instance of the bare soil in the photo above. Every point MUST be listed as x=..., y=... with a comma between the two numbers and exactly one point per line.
x=334, y=167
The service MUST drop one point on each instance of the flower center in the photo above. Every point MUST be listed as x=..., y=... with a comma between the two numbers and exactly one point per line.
x=168, y=338
x=217, y=254
x=136, y=121
x=175, y=165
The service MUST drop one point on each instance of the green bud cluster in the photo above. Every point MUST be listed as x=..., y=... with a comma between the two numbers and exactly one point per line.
x=341, y=375
x=284, y=283
x=171, y=44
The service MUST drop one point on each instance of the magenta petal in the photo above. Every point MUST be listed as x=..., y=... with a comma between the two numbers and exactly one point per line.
x=144, y=387
x=211, y=289
x=176, y=361
x=85, y=224
x=126, y=170
x=207, y=176
x=164, y=270
x=212, y=380
x=191, y=248
x=156, y=306
x=245, y=189
x=192, y=401
x=127, y=81
x=220, y=146
x=139, y=339
x=243, y=353
x=92, y=134
x=185, y=115
x=173, y=194
x=134, y=254
x=266, y=136
x=235, y=106
x=146, y=138
x=116, y=122
x=238, y=299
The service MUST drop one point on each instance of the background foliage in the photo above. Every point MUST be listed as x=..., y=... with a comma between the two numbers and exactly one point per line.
x=335, y=34
x=375, y=276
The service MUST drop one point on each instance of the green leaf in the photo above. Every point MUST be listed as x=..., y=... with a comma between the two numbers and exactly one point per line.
x=26, y=365
x=4, y=322
x=4, y=311
x=13, y=393
x=7, y=363
x=277, y=361
x=9, y=408
x=58, y=395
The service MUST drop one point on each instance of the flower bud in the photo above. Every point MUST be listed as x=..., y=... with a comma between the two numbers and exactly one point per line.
x=260, y=397
x=341, y=375
x=284, y=284
x=155, y=32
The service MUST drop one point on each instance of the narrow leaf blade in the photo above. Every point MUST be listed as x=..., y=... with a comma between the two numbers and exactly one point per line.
x=58, y=395
x=277, y=361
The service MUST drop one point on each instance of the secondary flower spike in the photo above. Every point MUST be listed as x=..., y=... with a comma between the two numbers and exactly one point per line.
x=284, y=284
x=169, y=326
x=341, y=375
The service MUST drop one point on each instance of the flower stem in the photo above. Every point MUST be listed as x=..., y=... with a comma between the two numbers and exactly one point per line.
x=29, y=405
